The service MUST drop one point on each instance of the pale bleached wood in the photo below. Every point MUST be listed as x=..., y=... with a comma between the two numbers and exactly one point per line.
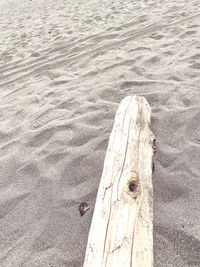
x=121, y=232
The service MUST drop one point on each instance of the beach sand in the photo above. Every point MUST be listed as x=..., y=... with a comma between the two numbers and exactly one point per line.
x=64, y=68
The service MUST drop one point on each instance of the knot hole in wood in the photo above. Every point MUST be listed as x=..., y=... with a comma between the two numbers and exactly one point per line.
x=133, y=186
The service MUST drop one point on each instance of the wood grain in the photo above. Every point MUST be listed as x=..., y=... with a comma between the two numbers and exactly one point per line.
x=121, y=232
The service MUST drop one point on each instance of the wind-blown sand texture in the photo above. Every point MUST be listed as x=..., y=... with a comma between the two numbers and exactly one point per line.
x=64, y=67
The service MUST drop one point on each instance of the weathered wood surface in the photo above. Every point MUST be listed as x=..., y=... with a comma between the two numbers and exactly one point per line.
x=121, y=232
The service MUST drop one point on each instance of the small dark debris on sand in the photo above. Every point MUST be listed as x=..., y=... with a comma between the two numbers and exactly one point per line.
x=83, y=207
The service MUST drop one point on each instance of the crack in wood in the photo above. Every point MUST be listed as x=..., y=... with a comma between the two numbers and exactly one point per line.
x=125, y=239
x=106, y=188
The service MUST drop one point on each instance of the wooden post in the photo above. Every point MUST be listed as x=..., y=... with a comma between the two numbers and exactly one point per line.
x=121, y=232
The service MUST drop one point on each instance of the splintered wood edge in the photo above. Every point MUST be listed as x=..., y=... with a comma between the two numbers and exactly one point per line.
x=121, y=232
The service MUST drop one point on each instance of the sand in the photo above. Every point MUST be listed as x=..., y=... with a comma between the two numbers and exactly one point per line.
x=64, y=68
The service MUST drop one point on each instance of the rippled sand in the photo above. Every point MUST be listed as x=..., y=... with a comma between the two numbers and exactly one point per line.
x=64, y=67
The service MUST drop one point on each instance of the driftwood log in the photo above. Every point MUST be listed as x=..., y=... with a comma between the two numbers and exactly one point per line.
x=121, y=232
